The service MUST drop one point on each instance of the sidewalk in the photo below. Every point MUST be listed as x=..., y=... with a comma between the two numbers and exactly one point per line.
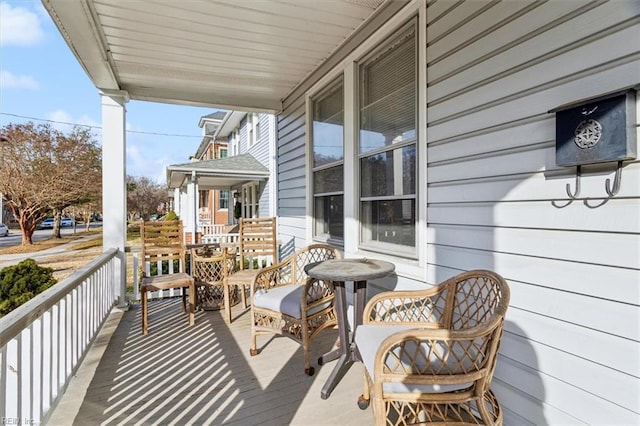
x=12, y=259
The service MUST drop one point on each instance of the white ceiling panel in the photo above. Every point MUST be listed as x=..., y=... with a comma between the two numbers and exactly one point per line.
x=244, y=54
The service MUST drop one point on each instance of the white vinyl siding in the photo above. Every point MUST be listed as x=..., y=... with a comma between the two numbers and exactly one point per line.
x=571, y=349
x=292, y=178
x=262, y=150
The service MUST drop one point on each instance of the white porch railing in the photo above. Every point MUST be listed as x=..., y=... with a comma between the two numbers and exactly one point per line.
x=210, y=229
x=43, y=342
x=221, y=238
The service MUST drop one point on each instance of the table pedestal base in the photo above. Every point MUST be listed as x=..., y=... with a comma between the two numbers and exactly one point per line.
x=330, y=356
x=338, y=270
x=340, y=369
x=346, y=353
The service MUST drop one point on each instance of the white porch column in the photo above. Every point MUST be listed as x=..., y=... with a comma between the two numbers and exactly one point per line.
x=114, y=195
x=182, y=211
x=176, y=201
x=191, y=222
x=273, y=165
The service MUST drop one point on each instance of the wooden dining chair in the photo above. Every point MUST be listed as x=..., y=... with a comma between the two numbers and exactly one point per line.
x=257, y=248
x=163, y=265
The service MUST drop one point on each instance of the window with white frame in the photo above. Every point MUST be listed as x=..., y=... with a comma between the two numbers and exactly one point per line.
x=234, y=143
x=256, y=128
x=203, y=196
x=223, y=201
x=386, y=149
x=327, y=140
x=253, y=128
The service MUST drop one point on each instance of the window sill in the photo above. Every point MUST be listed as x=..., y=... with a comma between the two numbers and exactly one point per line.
x=406, y=268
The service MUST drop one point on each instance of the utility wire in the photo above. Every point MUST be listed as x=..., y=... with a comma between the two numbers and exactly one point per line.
x=99, y=127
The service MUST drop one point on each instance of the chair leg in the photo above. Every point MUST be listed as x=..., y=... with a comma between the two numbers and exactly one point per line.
x=227, y=302
x=486, y=417
x=143, y=297
x=379, y=412
x=308, y=369
x=243, y=291
x=365, y=398
x=192, y=304
x=253, y=350
x=184, y=299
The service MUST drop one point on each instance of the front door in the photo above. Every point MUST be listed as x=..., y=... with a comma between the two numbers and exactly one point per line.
x=251, y=199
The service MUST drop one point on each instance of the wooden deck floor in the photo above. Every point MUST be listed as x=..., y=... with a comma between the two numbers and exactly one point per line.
x=204, y=375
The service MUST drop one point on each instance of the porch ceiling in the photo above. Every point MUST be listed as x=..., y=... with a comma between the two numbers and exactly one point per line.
x=217, y=53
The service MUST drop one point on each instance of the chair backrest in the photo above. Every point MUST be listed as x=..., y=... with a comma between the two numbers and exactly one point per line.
x=471, y=307
x=162, y=243
x=291, y=269
x=462, y=319
x=257, y=242
x=311, y=254
x=214, y=267
x=473, y=298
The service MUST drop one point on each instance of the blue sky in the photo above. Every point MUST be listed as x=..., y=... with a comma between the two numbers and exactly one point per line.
x=40, y=78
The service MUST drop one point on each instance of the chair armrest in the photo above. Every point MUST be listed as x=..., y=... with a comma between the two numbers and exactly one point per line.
x=317, y=293
x=428, y=354
x=273, y=276
x=424, y=308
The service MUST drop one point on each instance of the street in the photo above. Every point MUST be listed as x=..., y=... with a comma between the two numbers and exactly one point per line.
x=15, y=237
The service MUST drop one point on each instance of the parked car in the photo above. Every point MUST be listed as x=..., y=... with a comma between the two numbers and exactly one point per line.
x=66, y=221
x=4, y=230
x=46, y=224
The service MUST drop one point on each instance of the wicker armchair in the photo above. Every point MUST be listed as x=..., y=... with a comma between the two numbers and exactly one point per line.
x=284, y=300
x=429, y=355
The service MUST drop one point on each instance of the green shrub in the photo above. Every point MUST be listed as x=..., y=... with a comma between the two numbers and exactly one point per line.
x=21, y=282
x=171, y=216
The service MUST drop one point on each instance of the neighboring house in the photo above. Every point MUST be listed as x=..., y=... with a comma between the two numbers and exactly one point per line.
x=213, y=205
x=234, y=164
x=427, y=138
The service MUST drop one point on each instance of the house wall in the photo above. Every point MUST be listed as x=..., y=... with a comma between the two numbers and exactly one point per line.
x=496, y=200
x=262, y=150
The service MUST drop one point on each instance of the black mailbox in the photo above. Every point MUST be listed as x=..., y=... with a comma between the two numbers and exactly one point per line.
x=597, y=130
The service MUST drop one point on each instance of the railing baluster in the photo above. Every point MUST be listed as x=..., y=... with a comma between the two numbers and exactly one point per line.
x=40, y=353
x=12, y=379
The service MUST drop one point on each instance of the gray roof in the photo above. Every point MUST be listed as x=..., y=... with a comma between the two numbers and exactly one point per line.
x=221, y=173
x=218, y=115
x=203, y=146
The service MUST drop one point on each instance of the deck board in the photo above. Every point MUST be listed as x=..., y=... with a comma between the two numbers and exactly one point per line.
x=204, y=375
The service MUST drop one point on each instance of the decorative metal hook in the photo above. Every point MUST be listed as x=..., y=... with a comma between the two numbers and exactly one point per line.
x=575, y=195
x=616, y=181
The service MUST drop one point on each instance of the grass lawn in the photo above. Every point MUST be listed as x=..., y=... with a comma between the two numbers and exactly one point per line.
x=79, y=254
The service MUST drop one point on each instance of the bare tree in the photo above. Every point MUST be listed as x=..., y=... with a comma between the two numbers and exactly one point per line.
x=77, y=168
x=144, y=197
x=43, y=170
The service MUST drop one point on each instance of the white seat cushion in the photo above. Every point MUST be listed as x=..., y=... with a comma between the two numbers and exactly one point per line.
x=368, y=339
x=285, y=299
